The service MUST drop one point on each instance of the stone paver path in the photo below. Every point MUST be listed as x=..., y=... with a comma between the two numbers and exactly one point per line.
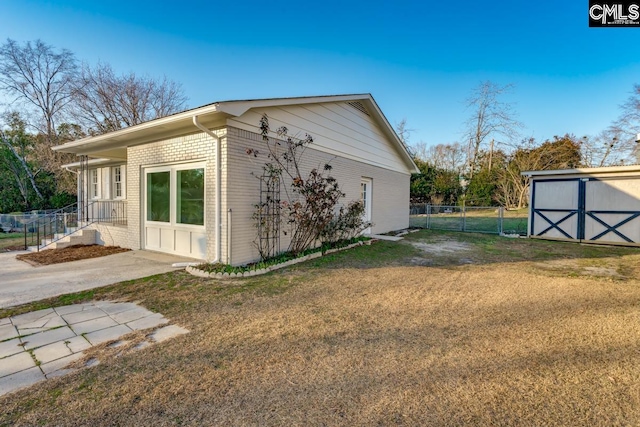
x=39, y=345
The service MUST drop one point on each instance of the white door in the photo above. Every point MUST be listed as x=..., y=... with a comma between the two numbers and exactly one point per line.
x=174, y=210
x=365, y=196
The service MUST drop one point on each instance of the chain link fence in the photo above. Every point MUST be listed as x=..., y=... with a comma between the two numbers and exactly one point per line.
x=473, y=219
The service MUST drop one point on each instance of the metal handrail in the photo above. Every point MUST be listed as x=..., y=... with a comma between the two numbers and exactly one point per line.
x=49, y=224
x=58, y=222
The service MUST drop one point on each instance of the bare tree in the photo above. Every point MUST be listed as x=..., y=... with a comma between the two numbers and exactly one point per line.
x=490, y=118
x=404, y=133
x=558, y=153
x=629, y=121
x=608, y=148
x=420, y=150
x=106, y=102
x=447, y=156
x=41, y=78
x=617, y=144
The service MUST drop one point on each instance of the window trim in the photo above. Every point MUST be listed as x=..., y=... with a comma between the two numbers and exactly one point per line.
x=122, y=182
x=173, y=192
x=95, y=187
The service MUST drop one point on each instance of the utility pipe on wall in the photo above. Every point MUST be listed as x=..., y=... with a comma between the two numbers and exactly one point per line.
x=229, y=236
x=218, y=204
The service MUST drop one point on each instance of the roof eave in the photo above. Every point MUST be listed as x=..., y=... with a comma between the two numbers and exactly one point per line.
x=77, y=146
x=127, y=137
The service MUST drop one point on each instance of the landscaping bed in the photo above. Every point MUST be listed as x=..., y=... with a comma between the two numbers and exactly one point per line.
x=286, y=259
x=70, y=253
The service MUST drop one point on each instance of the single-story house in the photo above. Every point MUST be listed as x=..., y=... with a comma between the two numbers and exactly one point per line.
x=588, y=205
x=184, y=184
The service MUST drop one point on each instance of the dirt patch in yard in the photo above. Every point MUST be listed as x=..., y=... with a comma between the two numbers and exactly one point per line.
x=607, y=268
x=70, y=253
x=442, y=247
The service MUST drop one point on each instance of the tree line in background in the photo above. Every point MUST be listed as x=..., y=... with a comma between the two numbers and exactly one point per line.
x=48, y=98
x=486, y=169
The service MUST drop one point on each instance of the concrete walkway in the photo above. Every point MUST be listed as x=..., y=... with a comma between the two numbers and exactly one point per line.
x=39, y=345
x=21, y=283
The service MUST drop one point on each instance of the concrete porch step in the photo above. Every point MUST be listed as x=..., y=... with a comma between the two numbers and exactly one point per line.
x=78, y=237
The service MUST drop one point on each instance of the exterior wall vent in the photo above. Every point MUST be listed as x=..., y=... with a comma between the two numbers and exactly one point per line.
x=358, y=106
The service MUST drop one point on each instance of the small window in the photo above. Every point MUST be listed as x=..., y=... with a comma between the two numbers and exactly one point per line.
x=94, y=184
x=117, y=182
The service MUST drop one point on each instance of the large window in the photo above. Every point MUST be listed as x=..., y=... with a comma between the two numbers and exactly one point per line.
x=175, y=195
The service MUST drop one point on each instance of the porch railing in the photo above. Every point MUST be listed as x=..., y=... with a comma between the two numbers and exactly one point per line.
x=113, y=212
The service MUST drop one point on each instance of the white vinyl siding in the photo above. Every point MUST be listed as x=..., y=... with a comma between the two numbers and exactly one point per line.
x=337, y=128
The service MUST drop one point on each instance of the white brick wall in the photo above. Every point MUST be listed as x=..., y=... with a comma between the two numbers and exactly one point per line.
x=190, y=148
x=390, y=190
x=240, y=189
x=111, y=235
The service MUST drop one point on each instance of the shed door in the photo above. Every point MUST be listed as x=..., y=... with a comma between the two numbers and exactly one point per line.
x=612, y=210
x=174, y=210
x=555, y=210
x=587, y=210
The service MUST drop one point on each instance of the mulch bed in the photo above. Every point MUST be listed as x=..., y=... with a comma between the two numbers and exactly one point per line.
x=70, y=253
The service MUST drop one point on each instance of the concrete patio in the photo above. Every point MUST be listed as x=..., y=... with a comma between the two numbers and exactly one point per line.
x=41, y=344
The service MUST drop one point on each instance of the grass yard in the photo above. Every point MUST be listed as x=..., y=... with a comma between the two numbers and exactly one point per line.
x=10, y=241
x=440, y=329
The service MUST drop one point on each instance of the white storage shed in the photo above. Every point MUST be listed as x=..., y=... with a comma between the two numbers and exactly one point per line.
x=590, y=205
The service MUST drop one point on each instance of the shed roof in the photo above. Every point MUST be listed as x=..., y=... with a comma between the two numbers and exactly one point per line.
x=618, y=170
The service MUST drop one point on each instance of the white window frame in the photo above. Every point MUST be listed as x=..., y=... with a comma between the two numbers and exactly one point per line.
x=114, y=183
x=173, y=191
x=94, y=183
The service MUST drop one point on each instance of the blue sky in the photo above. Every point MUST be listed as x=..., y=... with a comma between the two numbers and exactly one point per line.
x=419, y=59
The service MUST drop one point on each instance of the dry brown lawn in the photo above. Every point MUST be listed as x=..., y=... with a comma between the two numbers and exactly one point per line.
x=491, y=332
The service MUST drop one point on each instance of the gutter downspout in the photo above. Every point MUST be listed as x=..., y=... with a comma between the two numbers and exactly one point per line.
x=69, y=170
x=218, y=204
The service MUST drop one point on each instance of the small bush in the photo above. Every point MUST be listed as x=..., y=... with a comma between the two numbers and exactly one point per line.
x=347, y=224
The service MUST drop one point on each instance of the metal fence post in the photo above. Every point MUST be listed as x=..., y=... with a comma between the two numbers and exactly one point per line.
x=500, y=217
x=428, y=211
x=463, y=217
